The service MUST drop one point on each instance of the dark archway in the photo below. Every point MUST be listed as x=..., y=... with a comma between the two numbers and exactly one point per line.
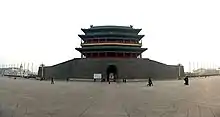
x=112, y=69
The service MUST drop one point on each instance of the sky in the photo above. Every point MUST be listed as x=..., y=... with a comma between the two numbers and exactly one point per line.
x=46, y=31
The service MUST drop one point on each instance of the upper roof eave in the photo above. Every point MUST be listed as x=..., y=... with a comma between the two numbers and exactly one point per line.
x=111, y=34
x=99, y=29
x=111, y=26
x=84, y=30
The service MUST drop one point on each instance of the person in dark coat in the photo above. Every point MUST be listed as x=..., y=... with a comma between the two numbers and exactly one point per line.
x=186, y=79
x=52, y=80
x=150, y=83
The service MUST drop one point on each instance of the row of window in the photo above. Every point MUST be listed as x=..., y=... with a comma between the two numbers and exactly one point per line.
x=110, y=41
x=111, y=54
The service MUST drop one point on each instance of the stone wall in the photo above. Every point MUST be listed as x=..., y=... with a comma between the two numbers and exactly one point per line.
x=131, y=68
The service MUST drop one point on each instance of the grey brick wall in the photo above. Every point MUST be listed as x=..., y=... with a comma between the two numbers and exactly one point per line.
x=132, y=68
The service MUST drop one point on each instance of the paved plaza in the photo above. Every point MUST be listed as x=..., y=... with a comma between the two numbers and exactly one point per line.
x=32, y=98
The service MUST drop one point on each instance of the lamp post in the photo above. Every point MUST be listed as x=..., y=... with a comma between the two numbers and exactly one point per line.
x=32, y=69
x=42, y=71
x=179, y=73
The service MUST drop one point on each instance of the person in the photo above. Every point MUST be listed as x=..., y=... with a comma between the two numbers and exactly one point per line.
x=150, y=83
x=124, y=79
x=111, y=77
x=186, y=79
x=52, y=80
x=94, y=80
x=67, y=79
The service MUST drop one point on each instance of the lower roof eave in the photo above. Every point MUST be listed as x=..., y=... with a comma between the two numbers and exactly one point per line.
x=141, y=50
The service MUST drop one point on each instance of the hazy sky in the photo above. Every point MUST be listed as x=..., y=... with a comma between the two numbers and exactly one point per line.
x=46, y=31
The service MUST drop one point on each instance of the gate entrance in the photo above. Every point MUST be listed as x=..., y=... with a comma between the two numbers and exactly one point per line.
x=112, y=73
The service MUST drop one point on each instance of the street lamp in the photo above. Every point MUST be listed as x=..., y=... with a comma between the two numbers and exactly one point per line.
x=179, y=71
x=42, y=69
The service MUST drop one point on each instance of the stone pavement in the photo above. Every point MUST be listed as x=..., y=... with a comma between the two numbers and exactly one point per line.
x=31, y=98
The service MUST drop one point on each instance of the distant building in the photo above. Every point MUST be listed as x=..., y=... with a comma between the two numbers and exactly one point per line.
x=115, y=50
x=12, y=71
x=206, y=71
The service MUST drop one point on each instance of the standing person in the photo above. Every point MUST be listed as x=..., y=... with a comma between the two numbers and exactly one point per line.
x=52, y=80
x=109, y=81
x=67, y=79
x=186, y=79
x=110, y=77
x=124, y=79
x=150, y=83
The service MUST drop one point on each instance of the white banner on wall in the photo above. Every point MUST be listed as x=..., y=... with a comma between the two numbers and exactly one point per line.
x=97, y=76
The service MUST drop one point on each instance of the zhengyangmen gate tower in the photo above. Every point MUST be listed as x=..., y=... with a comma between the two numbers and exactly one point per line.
x=115, y=50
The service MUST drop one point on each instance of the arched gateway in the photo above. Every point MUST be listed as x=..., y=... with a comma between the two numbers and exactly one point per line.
x=112, y=72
